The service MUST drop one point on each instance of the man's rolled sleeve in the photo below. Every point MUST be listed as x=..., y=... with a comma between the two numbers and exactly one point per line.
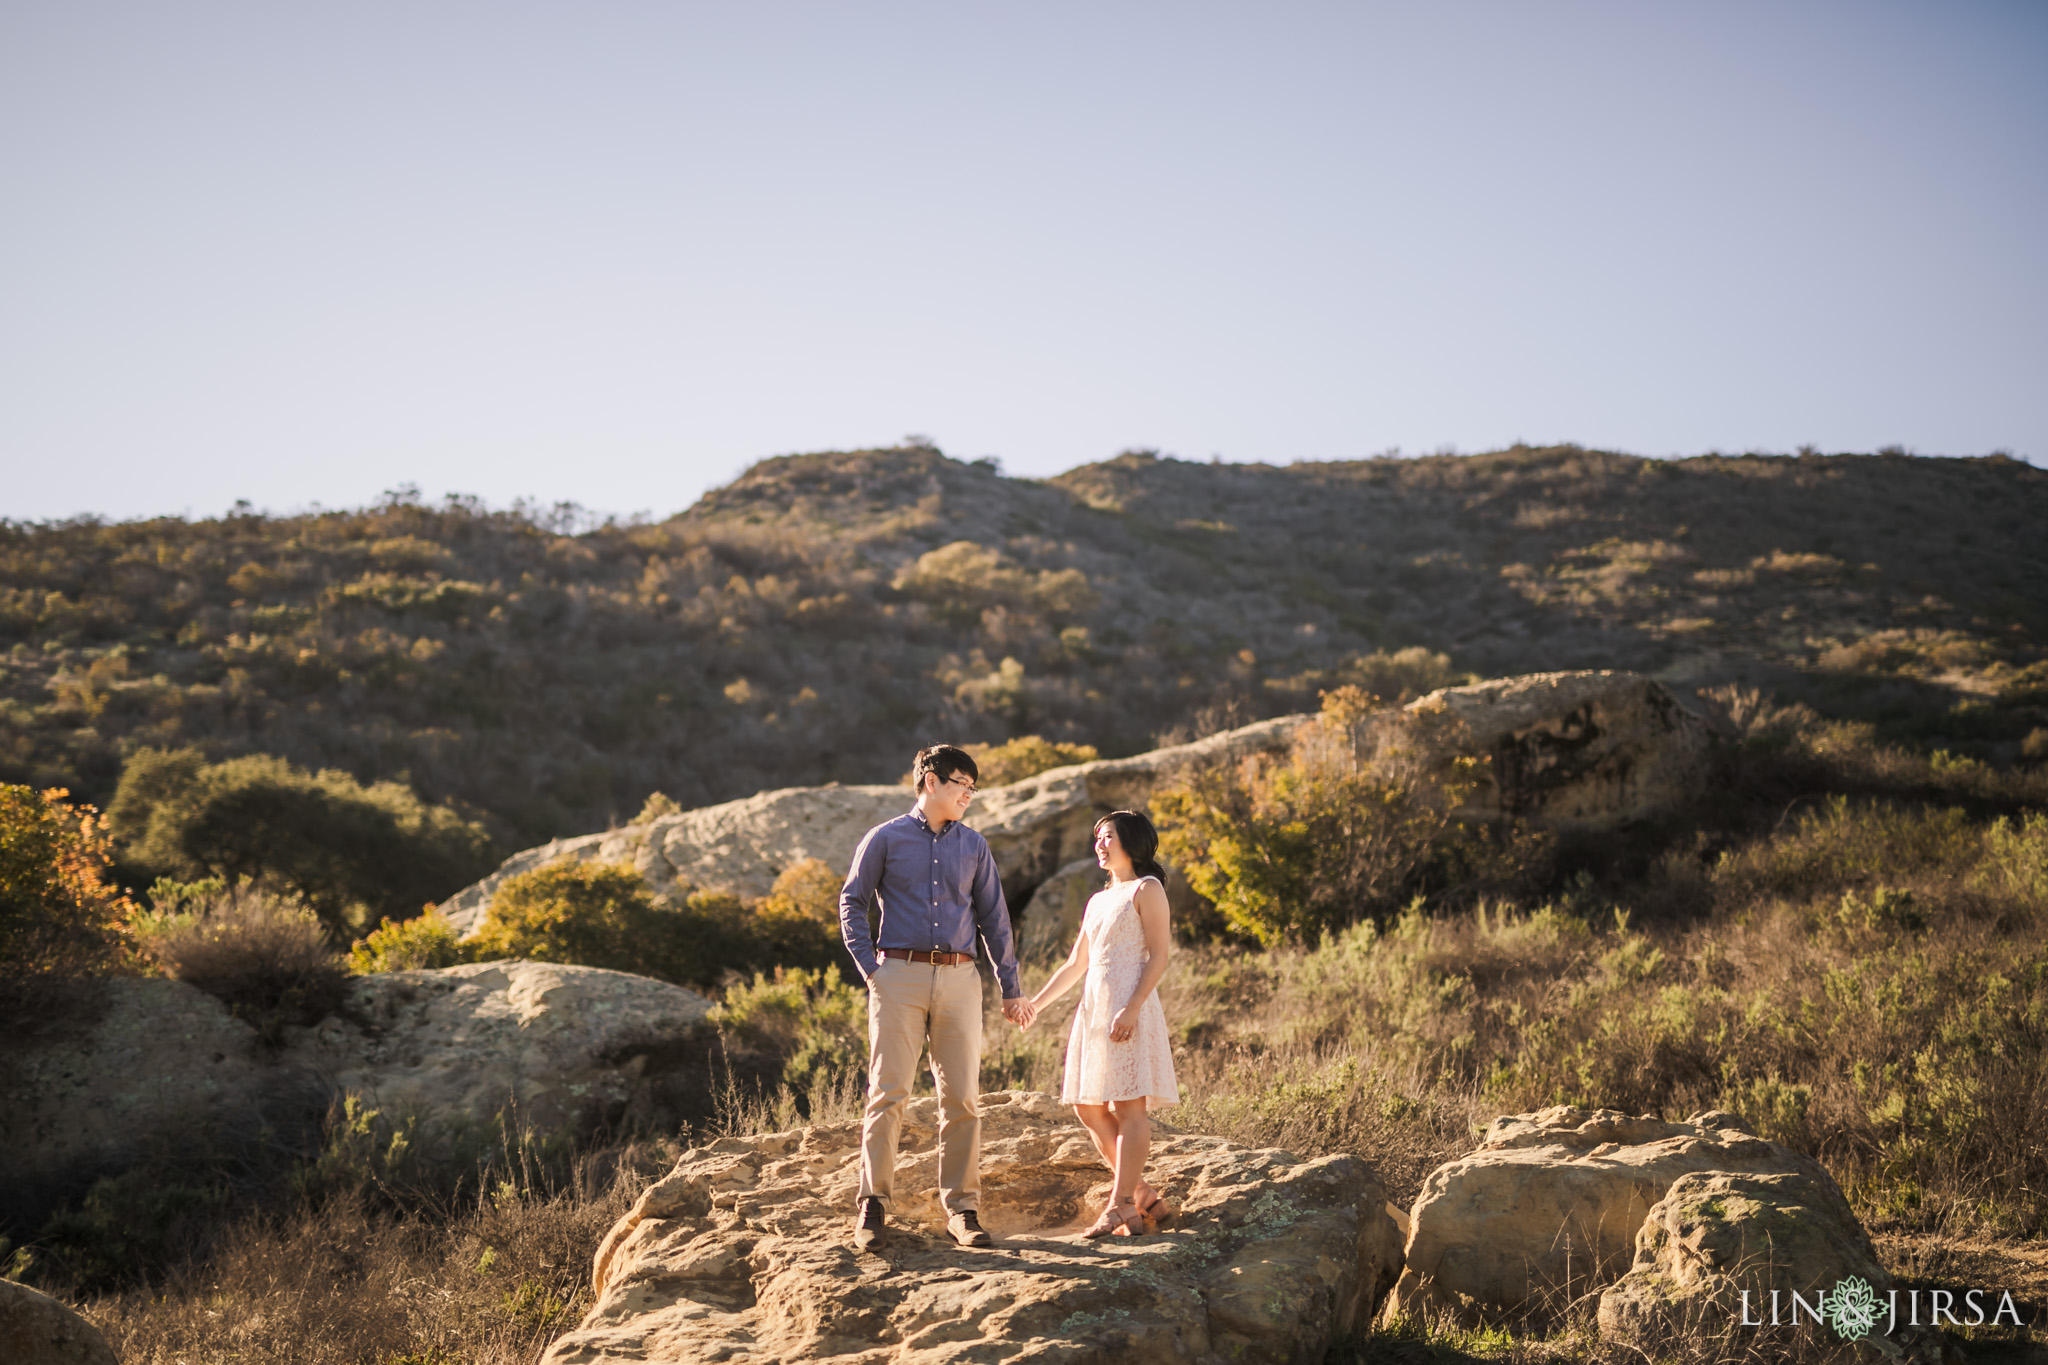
x=992, y=915
x=855, y=898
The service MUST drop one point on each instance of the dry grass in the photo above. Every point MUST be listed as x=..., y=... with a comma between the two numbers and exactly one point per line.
x=1864, y=976
x=262, y=953
x=348, y=1283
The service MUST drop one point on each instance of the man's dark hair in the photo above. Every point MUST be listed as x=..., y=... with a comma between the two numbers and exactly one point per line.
x=946, y=760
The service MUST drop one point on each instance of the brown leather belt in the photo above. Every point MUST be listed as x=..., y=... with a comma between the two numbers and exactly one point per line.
x=935, y=959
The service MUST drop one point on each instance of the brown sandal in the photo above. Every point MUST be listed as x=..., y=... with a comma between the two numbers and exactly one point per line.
x=1114, y=1222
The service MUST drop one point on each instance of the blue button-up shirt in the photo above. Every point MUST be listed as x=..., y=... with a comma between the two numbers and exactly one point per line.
x=935, y=890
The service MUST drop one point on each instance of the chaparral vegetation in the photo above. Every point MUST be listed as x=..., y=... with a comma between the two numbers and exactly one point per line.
x=306, y=728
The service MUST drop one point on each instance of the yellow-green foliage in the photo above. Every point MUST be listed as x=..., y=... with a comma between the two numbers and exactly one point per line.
x=963, y=579
x=797, y=922
x=592, y=914
x=1026, y=756
x=598, y=914
x=816, y=1022
x=351, y=851
x=60, y=911
x=1288, y=850
x=1869, y=983
x=1395, y=677
x=424, y=942
x=656, y=806
x=2018, y=854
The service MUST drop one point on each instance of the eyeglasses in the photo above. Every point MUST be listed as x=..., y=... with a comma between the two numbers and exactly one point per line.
x=966, y=782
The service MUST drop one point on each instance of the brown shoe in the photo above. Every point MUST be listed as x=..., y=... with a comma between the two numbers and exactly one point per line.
x=870, y=1227
x=965, y=1228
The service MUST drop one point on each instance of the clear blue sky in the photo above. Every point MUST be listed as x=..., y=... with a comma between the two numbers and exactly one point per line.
x=615, y=252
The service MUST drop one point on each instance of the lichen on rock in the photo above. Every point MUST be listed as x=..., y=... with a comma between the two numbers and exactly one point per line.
x=1547, y=1208
x=1719, y=1258
x=744, y=1252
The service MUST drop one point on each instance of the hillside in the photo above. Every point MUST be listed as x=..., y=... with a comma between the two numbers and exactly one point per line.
x=821, y=615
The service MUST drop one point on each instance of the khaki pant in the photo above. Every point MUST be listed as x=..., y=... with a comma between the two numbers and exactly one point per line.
x=908, y=1003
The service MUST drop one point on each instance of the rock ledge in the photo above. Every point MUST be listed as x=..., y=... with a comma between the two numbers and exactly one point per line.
x=744, y=1253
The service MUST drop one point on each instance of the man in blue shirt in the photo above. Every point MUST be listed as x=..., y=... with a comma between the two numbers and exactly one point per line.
x=935, y=881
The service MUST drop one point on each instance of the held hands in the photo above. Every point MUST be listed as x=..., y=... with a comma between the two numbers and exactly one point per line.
x=1020, y=1011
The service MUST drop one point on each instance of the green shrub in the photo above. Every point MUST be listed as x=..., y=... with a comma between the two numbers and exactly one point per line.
x=592, y=914
x=603, y=915
x=1395, y=677
x=402, y=1161
x=125, y=1226
x=797, y=923
x=353, y=852
x=1289, y=850
x=657, y=805
x=261, y=953
x=2019, y=857
x=814, y=1022
x=598, y=914
x=1028, y=756
x=963, y=579
x=422, y=943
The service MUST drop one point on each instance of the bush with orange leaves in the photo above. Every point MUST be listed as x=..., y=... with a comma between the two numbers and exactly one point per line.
x=61, y=913
x=63, y=919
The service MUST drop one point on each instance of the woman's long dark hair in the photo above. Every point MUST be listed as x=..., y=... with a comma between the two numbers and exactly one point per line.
x=1139, y=839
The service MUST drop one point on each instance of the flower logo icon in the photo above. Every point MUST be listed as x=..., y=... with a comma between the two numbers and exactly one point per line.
x=1852, y=1309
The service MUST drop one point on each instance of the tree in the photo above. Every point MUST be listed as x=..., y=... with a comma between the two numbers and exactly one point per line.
x=352, y=852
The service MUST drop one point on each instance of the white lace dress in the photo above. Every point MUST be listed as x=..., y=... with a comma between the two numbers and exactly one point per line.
x=1099, y=1070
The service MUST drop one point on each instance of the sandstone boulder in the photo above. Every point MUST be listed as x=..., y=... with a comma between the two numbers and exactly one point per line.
x=1575, y=751
x=1547, y=1209
x=1717, y=1237
x=1569, y=751
x=1035, y=827
x=563, y=1046
x=1056, y=909
x=165, y=1066
x=744, y=1253
x=738, y=846
x=35, y=1329
x=160, y=1067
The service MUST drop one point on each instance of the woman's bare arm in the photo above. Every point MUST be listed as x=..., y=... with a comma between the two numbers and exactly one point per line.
x=1072, y=970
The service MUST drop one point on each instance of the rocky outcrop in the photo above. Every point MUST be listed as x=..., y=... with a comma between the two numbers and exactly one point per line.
x=562, y=1046
x=162, y=1067
x=1568, y=751
x=1573, y=751
x=1720, y=1257
x=738, y=846
x=165, y=1065
x=744, y=1252
x=1056, y=909
x=35, y=1329
x=1034, y=827
x=1547, y=1209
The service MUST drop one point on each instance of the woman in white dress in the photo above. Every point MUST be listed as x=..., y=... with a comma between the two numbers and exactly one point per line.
x=1119, y=1059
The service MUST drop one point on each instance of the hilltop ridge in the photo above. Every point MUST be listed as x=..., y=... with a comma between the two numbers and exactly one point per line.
x=820, y=615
